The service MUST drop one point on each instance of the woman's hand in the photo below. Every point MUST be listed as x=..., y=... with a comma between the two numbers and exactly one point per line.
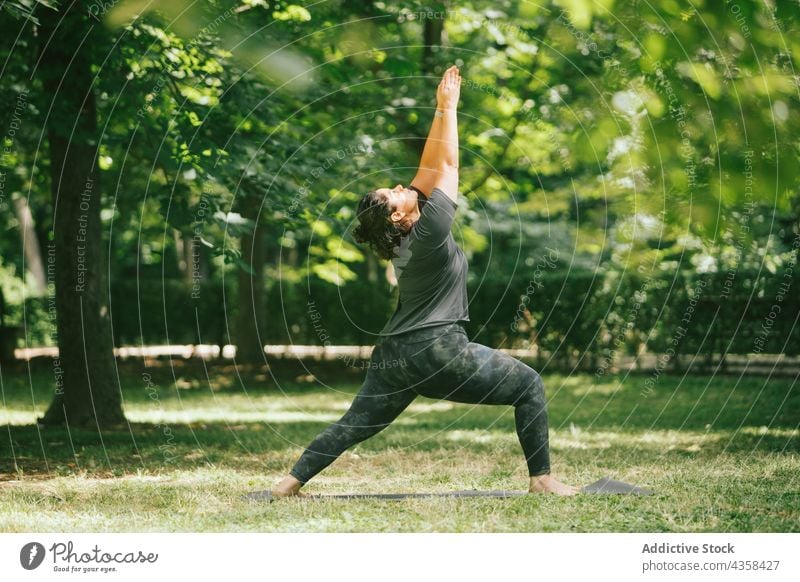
x=449, y=90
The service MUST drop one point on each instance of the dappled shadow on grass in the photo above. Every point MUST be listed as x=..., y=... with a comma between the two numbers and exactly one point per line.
x=689, y=404
x=31, y=450
x=609, y=402
x=178, y=379
x=41, y=453
x=244, y=423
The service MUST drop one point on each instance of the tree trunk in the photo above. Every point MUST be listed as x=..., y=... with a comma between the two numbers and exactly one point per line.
x=87, y=390
x=432, y=34
x=30, y=245
x=181, y=260
x=432, y=38
x=249, y=340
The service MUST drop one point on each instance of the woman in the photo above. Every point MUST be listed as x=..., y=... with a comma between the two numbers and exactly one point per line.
x=411, y=226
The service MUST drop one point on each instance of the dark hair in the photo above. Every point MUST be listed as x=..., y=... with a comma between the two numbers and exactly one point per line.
x=376, y=227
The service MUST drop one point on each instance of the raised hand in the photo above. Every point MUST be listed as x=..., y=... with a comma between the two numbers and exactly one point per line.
x=449, y=90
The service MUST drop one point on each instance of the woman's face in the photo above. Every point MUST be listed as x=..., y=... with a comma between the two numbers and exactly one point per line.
x=402, y=200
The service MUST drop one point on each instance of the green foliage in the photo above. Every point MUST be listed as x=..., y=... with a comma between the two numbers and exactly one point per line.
x=26, y=9
x=624, y=134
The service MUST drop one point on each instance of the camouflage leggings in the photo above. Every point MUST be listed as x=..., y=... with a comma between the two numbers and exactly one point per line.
x=438, y=362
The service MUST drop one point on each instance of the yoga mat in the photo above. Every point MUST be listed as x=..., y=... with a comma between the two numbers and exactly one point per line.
x=603, y=486
x=608, y=485
x=267, y=495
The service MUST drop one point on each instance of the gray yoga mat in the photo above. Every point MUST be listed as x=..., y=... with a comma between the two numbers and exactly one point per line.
x=607, y=485
x=603, y=486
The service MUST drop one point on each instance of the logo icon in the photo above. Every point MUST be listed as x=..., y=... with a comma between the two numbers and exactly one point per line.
x=31, y=555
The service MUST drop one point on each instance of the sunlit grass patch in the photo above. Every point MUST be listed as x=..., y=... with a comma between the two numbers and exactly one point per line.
x=719, y=459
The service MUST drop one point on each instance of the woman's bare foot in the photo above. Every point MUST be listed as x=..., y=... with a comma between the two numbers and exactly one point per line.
x=289, y=487
x=549, y=484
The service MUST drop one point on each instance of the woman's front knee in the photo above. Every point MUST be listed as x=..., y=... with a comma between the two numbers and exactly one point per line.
x=534, y=385
x=536, y=379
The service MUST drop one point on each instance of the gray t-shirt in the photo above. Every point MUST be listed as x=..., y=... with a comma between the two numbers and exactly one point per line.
x=431, y=270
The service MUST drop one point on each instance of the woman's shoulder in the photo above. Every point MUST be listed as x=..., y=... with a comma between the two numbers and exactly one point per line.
x=438, y=194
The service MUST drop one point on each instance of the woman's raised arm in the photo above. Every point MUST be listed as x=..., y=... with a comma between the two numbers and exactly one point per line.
x=438, y=167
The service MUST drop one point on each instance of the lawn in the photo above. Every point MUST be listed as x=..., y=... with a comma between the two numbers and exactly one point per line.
x=721, y=453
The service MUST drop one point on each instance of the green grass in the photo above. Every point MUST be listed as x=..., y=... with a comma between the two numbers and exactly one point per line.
x=721, y=453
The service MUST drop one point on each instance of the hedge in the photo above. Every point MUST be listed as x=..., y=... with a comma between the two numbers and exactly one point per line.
x=577, y=316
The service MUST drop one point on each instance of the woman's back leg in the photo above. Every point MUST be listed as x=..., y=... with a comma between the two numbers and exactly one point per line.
x=375, y=407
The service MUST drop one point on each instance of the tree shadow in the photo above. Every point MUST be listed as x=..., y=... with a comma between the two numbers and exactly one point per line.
x=694, y=416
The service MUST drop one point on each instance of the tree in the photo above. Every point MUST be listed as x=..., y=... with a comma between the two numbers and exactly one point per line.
x=88, y=393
